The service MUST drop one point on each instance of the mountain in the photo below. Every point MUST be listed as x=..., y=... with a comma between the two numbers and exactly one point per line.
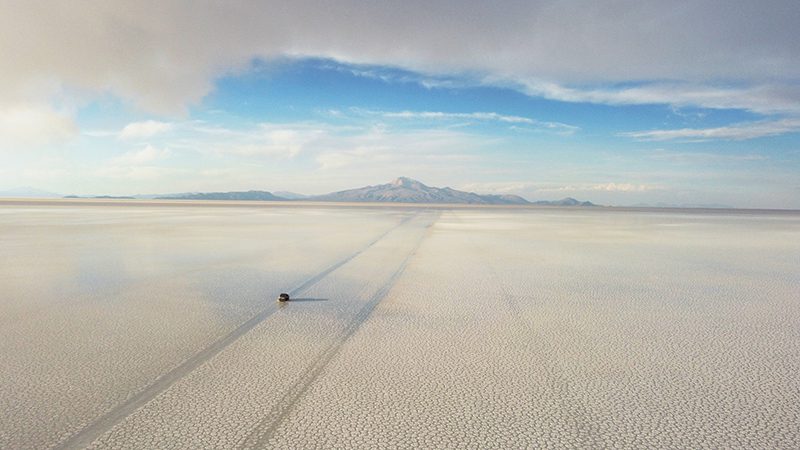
x=569, y=201
x=406, y=190
x=28, y=192
x=249, y=195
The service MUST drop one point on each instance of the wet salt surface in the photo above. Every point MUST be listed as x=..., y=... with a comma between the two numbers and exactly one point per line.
x=97, y=303
x=419, y=328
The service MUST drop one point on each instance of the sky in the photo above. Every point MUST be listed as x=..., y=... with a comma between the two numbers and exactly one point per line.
x=616, y=102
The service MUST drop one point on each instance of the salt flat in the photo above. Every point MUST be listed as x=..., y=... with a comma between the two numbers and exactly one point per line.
x=156, y=327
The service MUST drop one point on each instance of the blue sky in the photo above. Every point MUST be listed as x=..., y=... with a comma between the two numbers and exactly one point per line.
x=490, y=102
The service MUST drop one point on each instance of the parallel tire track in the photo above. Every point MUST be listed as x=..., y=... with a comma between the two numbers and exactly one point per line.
x=263, y=431
x=91, y=432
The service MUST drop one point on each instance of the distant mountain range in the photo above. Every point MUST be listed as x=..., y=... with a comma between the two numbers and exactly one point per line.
x=248, y=195
x=401, y=190
x=406, y=190
x=105, y=197
x=568, y=201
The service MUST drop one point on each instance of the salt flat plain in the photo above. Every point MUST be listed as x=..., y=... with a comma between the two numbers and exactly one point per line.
x=155, y=326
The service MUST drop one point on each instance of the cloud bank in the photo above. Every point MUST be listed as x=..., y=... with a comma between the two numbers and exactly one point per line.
x=163, y=56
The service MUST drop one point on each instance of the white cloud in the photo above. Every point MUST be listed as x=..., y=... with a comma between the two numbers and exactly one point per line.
x=265, y=140
x=164, y=56
x=343, y=158
x=737, y=132
x=99, y=133
x=137, y=166
x=537, y=190
x=26, y=126
x=501, y=187
x=516, y=122
x=704, y=157
x=137, y=173
x=389, y=152
x=329, y=145
x=621, y=187
x=139, y=157
x=763, y=99
x=44, y=173
x=145, y=129
x=603, y=187
x=490, y=116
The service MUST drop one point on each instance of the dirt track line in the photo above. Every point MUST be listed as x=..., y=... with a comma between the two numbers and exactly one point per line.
x=264, y=430
x=91, y=432
x=315, y=279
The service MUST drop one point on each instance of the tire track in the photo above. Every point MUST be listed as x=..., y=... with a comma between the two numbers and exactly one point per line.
x=91, y=432
x=264, y=430
x=315, y=279
x=146, y=281
x=133, y=285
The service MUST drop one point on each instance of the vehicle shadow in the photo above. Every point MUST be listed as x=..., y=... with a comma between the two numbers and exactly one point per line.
x=308, y=300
